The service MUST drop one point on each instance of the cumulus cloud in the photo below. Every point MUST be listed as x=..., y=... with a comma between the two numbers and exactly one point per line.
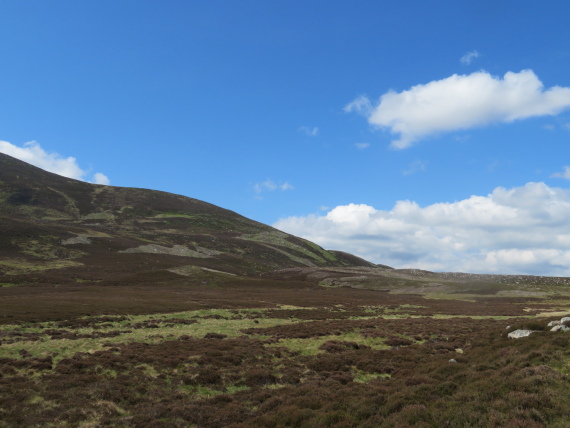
x=311, y=131
x=564, y=174
x=469, y=57
x=99, y=178
x=461, y=102
x=521, y=230
x=33, y=154
x=270, y=185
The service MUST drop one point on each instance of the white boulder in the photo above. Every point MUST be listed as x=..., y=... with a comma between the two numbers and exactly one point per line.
x=553, y=323
x=517, y=334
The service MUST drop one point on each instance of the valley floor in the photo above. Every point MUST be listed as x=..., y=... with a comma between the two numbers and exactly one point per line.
x=278, y=353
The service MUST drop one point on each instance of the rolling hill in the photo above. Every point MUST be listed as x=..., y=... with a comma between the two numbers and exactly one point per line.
x=58, y=230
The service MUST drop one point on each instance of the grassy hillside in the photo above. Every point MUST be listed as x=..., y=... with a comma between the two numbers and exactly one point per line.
x=54, y=229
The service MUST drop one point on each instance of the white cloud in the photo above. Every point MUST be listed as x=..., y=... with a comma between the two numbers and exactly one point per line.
x=469, y=57
x=362, y=146
x=521, y=230
x=416, y=166
x=360, y=105
x=310, y=131
x=99, y=178
x=564, y=174
x=461, y=102
x=33, y=154
x=270, y=185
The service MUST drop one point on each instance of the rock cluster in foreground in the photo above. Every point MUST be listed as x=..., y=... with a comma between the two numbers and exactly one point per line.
x=562, y=325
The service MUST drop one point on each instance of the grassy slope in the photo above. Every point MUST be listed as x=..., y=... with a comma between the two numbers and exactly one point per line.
x=50, y=223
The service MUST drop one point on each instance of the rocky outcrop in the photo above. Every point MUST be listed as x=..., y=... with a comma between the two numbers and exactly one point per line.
x=557, y=325
x=562, y=325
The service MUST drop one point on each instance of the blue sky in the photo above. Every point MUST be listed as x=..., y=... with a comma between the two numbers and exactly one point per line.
x=413, y=133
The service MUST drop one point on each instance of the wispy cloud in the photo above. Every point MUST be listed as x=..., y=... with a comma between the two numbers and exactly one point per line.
x=520, y=230
x=461, y=102
x=361, y=105
x=33, y=154
x=270, y=186
x=362, y=146
x=564, y=174
x=469, y=57
x=416, y=166
x=311, y=131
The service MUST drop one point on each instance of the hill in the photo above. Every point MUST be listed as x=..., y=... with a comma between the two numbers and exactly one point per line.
x=55, y=228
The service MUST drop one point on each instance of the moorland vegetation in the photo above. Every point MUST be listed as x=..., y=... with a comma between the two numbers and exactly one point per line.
x=136, y=308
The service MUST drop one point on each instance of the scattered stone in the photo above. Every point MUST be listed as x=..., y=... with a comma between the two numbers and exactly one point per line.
x=553, y=323
x=560, y=327
x=508, y=327
x=565, y=320
x=453, y=360
x=459, y=350
x=517, y=334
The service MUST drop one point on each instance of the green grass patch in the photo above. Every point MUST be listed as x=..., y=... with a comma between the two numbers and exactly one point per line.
x=201, y=392
x=17, y=266
x=310, y=346
x=363, y=377
x=176, y=215
x=9, y=284
x=221, y=321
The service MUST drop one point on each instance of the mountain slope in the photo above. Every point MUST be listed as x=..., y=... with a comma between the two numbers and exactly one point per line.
x=54, y=228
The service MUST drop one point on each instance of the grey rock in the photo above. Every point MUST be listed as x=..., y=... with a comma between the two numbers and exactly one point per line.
x=517, y=334
x=553, y=323
x=453, y=360
x=565, y=320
